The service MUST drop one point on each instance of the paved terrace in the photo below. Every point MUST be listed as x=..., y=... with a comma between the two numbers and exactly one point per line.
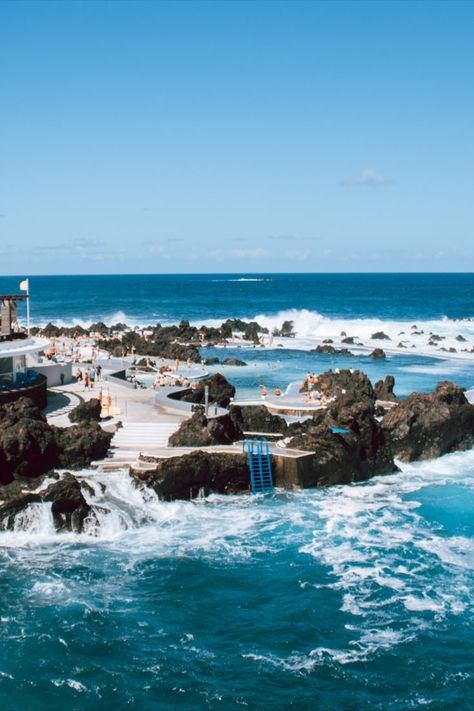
x=129, y=404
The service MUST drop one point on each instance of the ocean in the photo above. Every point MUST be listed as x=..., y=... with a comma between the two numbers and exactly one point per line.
x=353, y=597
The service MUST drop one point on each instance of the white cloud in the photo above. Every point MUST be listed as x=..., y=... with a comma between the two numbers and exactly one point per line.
x=297, y=255
x=255, y=253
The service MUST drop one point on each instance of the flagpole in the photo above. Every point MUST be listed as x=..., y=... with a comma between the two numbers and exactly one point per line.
x=25, y=286
x=28, y=309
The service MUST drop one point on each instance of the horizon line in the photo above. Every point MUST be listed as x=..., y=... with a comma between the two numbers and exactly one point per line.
x=23, y=275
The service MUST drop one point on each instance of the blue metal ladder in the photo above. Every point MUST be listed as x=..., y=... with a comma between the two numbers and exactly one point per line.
x=260, y=465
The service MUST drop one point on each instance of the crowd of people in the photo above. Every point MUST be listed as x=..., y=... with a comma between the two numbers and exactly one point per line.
x=89, y=375
x=163, y=380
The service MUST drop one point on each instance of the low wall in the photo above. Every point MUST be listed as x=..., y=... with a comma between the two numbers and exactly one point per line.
x=119, y=378
x=291, y=472
x=53, y=372
x=36, y=391
x=168, y=397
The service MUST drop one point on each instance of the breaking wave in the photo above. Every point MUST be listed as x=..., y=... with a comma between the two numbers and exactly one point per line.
x=395, y=572
x=311, y=324
x=243, y=279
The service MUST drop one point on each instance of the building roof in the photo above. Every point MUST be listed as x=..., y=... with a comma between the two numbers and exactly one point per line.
x=22, y=346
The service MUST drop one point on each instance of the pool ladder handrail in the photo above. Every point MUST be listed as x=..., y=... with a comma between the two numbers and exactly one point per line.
x=260, y=465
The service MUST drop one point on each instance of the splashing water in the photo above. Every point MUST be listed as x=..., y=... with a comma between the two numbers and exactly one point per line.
x=230, y=601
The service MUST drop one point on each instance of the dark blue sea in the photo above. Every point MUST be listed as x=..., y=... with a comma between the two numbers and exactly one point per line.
x=354, y=597
x=168, y=298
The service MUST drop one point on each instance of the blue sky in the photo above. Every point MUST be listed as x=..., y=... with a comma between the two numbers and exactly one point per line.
x=225, y=137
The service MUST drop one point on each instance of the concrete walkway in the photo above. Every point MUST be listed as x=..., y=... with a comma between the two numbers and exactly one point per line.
x=131, y=405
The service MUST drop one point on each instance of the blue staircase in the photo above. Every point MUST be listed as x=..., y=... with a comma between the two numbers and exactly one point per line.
x=260, y=465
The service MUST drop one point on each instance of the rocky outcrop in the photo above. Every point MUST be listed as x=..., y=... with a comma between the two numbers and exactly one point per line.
x=69, y=508
x=332, y=460
x=188, y=476
x=181, y=341
x=256, y=418
x=339, y=458
x=356, y=454
x=327, y=348
x=68, y=505
x=79, y=445
x=88, y=411
x=220, y=391
x=380, y=336
x=234, y=361
x=424, y=426
x=348, y=386
x=378, y=354
x=200, y=431
x=384, y=389
x=30, y=446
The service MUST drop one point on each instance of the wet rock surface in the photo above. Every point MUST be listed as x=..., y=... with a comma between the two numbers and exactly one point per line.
x=360, y=451
x=188, y=476
x=69, y=508
x=326, y=348
x=234, y=361
x=30, y=446
x=380, y=335
x=424, y=426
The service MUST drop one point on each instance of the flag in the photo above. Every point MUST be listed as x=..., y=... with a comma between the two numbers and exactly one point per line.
x=25, y=285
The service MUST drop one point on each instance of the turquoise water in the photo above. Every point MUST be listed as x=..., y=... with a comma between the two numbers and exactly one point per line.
x=351, y=597
x=278, y=368
x=355, y=597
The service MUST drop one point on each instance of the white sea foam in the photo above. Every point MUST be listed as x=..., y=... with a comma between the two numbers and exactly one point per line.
x=424, y=570
x=311, y=326
x=243, y=279
x=72, y=683
x=395, y=573
x=110, y=319
x=49, y=589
